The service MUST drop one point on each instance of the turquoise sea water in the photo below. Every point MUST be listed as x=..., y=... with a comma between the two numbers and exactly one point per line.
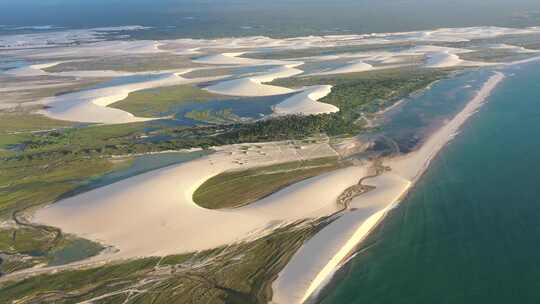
x=470, y=230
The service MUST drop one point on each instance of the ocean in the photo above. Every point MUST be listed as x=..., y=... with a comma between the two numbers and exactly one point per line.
x=469, y=232
x=276, y=18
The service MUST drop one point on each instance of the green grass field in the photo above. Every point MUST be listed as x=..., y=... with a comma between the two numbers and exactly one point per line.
x=368, y=91
x=212, y=72
x=286, y=54
x=153, y=102
x=239, y=188
x=130, y=63
x=32, y=183
x=496, y=55
x=23, y=122
x=237, y=274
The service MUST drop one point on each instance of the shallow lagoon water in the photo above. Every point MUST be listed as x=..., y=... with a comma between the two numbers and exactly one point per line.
x=122, y=80
x=239, y=72
x=417, y=116
x=11, y=63
x=468, y=232
x=140, y=165
x=323, y=66
x=246, y=108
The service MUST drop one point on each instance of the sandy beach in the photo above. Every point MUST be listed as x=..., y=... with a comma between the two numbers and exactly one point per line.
x=306, y=102
x=318, y=259
x=145, y=214
x=307, y=271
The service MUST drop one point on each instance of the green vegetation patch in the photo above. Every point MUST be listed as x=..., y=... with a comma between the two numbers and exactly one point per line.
x=236, y=274
x=30, y=183
x=368, y=91
x=152, y=102
x=89, y=141
x=355, y=94
x=224, y=116
x=496, y=55
x=239, y=188
x=26, y=183
x=130, y=63
x=322, y=51
x=25, y=240
x=44, y=246
x=71, y=250
x=46, y=287
x=212, y=72
x=24, y=122
x=10, y=142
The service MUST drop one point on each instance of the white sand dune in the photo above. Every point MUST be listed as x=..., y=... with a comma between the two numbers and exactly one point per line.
x=393, y=59
x=90, y=41
x=390, y=58
x=64, y=37
x=427, y=49
x=31, y=70
x=443, y=60
x=357, y=66
x=39, y=70
x=228, y=59
x=515, y=48
x=307, y=272
x=95, y=49
x=246, y=87
x=153, y=214
x=465, y=34
x=442, y=57
x=283, y=71
x=254, y=85
x=329, y=41
x=438, y=56
x=91, y=105
x=518, y=62
x=446, y=60
x=377, y=59
x=351, y=67
x=318, y=259
x=93, y=74
x=305, y=102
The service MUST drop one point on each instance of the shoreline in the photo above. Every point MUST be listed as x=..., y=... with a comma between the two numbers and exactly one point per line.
x=409, y=167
